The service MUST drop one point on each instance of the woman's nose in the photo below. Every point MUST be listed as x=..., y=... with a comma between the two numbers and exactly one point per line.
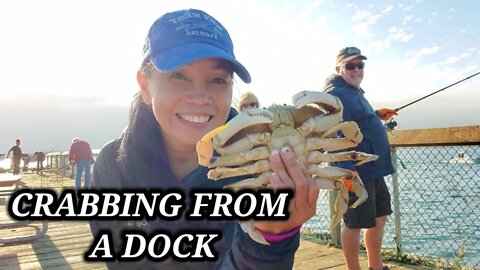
x=199, y=95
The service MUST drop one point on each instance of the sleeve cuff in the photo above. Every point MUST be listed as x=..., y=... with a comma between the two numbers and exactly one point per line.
x=274, y=238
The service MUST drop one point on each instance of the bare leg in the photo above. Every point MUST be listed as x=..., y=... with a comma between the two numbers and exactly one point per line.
x=351, y=247
x=373, y=242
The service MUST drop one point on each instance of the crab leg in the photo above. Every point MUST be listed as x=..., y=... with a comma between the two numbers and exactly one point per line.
x=339, y=174
x=204, y=147
x=252, y=183
x=319, y=157
x=341, y=203
x=224, y=172
x=350, y=129
x=329, y=144
x=240, y=158
x=244, y=144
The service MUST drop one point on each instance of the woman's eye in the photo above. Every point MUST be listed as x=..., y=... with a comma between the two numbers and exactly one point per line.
x=219, y=80
x=178, y=76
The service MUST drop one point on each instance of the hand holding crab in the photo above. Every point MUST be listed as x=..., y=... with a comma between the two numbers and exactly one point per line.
x=289, y=173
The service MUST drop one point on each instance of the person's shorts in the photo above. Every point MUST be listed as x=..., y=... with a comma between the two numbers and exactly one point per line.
x=377, y=205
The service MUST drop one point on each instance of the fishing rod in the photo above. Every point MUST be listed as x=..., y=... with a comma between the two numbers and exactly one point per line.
x=391, y=123
x=415, y=101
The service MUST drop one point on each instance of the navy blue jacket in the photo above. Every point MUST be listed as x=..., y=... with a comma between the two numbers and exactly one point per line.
x=236, y=250
x=375, y=140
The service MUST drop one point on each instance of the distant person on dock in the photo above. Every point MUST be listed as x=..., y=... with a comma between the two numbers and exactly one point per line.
x=39, y=157
x=248, y=101
x=372, y=214
x=16, y=156
x=81, y=156
x=26, y=161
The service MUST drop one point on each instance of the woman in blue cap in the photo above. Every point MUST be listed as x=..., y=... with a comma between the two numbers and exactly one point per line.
x=186, y=81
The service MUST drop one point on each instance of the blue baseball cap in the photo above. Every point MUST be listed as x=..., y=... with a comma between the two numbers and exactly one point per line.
x=185, y=36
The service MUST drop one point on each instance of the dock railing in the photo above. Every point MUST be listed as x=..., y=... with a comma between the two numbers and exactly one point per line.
x=435, y=196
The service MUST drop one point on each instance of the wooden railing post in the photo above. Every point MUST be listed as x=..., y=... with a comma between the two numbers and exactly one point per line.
x=335, y=233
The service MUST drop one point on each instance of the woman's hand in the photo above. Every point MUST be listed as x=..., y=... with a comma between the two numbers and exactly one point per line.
x=289, y=173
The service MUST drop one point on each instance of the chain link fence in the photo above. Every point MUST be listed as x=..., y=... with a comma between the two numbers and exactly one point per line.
x=436, y=205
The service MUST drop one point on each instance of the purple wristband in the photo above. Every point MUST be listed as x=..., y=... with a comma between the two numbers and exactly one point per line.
x=274, y=238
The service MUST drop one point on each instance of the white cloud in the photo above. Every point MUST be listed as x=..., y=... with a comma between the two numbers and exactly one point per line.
x=406, y=19
x=381, y=44
x=387, y=9
x=394, y=34
x=398, y=34
x=363, y=20
x=311, y=6
x=426, y=51
x=360, y=15
x=453, y=59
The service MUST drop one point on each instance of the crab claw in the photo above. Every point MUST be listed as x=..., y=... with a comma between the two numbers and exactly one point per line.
x=364, y=158
x=243, y=120
x=331, y=105
x=326, y=101
x=205, y=146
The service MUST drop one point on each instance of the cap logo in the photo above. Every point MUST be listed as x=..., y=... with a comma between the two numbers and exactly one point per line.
x=197, y=24
x=352, y=51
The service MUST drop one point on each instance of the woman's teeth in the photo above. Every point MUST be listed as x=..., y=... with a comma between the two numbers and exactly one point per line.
x=195, y=118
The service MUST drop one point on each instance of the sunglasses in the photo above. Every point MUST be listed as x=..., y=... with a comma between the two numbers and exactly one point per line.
x=352, y=66
x=251, y=104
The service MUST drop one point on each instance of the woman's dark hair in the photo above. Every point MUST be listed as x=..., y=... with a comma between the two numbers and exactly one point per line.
x=142, y=157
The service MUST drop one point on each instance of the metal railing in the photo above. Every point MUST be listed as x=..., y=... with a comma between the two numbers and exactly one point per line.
x=435, y=196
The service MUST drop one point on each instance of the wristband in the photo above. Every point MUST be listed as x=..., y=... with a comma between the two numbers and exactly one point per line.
x=274, y=238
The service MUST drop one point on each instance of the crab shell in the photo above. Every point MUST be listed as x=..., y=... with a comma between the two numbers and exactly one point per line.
x=309, y=128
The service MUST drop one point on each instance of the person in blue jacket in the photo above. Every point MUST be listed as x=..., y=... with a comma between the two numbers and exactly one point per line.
x=372, y=214
x=186, y=82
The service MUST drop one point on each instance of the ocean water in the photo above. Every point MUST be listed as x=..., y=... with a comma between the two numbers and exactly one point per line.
x=439, y=204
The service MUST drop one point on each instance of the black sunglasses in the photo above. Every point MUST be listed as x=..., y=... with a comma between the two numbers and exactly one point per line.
x=251, y=104
x=351, y=66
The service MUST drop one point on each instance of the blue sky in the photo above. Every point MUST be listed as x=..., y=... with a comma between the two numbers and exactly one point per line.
x=70, y=65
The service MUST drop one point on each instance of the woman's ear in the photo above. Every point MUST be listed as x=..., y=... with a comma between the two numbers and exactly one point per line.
x=143, y=83
x=337, y=68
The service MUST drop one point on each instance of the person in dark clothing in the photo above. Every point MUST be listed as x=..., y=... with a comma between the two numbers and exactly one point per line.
x=39, y=157
x=81, y=156
x=372, y=214
x=186, y=85
x=26, y=161
x=16, y=156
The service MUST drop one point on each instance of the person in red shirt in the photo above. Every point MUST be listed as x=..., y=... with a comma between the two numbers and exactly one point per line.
x=81, y=156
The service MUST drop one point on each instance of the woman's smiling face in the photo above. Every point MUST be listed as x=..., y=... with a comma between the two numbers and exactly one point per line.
x=190, y=101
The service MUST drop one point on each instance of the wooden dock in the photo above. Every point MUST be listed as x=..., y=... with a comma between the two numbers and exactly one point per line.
x=66, y=241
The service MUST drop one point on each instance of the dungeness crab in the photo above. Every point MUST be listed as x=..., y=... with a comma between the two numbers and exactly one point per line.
x=308, y=128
